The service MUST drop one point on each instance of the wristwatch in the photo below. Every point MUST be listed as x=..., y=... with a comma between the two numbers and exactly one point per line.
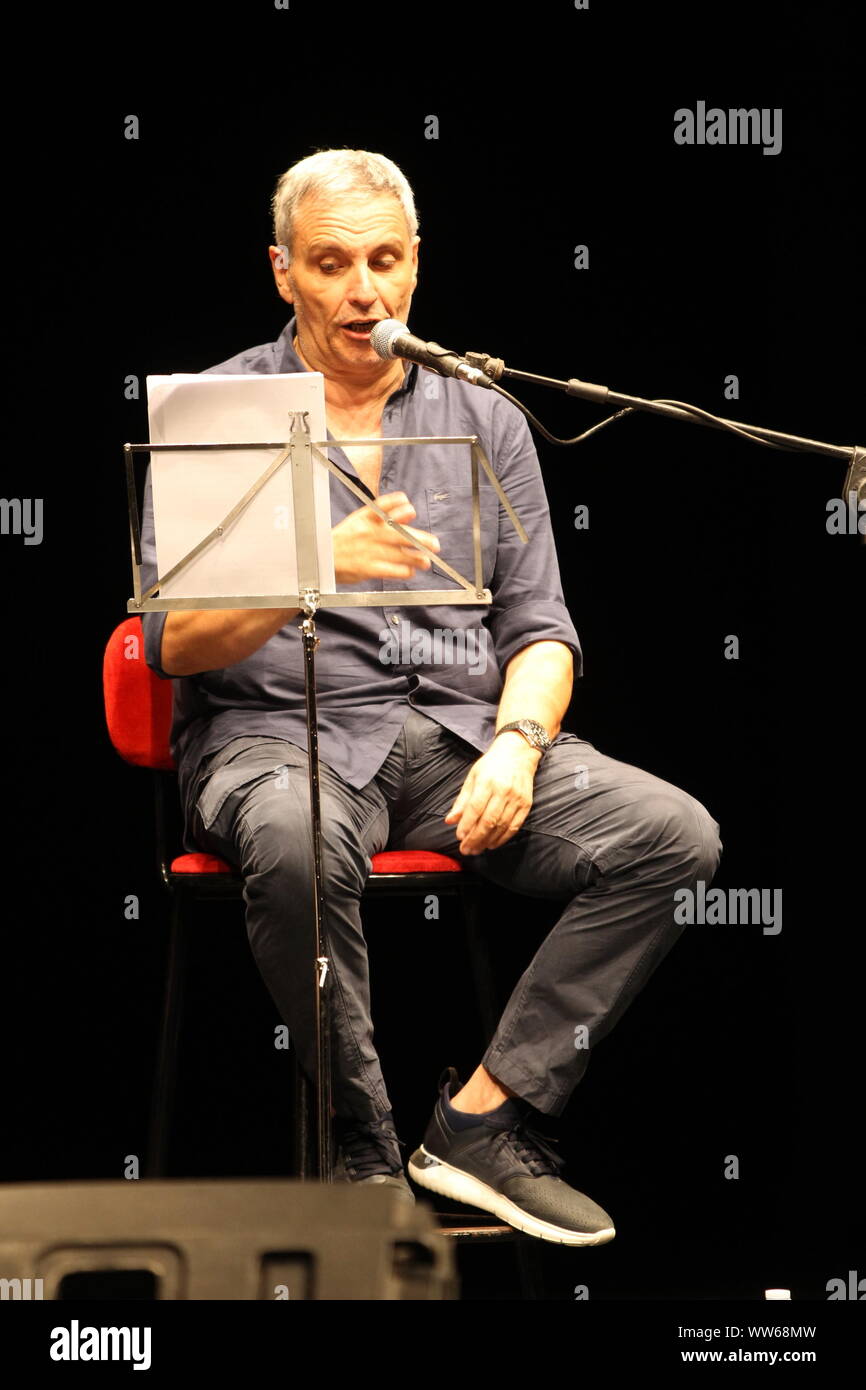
x=534, y=733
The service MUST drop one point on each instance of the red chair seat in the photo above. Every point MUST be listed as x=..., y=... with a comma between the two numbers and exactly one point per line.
x=200, y=864
x=396, y=861
x=415, y=861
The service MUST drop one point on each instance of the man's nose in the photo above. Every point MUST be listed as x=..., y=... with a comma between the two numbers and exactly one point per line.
x=361, y=285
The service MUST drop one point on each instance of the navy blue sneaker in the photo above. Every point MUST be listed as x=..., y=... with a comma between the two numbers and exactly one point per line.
x=369, y=1152
x=502, y=1165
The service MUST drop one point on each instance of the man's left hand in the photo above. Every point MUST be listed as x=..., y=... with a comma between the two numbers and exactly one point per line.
x=496, y=797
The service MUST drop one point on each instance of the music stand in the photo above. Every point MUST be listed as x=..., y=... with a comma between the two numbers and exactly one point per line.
x=300, y=452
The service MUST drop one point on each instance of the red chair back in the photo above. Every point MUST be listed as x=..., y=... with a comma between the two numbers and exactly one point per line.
x=138, y=704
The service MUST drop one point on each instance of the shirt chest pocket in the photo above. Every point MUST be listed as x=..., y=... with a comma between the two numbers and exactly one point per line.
x=450, y=511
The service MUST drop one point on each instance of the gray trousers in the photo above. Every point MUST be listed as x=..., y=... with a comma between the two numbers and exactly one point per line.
x=610, y=841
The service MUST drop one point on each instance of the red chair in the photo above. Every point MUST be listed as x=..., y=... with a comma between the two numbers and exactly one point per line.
x=138, y=711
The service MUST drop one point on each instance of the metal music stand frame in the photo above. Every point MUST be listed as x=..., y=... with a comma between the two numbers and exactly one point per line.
x=300, y=452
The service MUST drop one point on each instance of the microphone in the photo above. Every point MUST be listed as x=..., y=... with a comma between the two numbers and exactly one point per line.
x=391, y=338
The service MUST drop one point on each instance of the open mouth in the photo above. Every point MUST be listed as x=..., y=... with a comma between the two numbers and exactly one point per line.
x=361, y=328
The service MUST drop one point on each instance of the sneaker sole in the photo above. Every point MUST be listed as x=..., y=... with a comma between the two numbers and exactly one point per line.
x=440, y=1177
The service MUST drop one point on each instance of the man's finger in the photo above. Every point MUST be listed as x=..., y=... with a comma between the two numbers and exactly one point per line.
x=425, y=537
x=473, y=808
x=510, y=830
x=484, y=791
x=459, y=800
x=388, y=569
x=392, y=501
x=481, y=821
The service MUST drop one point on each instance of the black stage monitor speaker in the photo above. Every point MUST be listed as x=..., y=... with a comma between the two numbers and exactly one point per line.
x=215, y=1239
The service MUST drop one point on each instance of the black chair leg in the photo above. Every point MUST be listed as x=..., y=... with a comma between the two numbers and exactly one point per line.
x=479, y=960
x=529, y=1253
x=166, y=1065
x=305, y=1152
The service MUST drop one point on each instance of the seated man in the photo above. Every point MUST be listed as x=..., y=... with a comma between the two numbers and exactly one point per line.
x=440, y=729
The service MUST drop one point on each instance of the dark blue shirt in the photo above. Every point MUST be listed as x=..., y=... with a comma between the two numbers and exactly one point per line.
x=446, y=660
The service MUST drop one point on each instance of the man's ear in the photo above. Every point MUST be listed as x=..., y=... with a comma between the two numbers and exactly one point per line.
x=416, y=242
x=279, y=258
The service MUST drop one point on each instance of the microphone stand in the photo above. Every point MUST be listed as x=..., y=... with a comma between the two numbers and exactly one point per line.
x=855, y=455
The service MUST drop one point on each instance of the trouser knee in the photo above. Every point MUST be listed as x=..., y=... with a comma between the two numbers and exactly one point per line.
x=683, y=833
x=277, y=848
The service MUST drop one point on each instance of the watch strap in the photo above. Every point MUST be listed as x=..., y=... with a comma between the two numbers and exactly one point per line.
x=534, y=733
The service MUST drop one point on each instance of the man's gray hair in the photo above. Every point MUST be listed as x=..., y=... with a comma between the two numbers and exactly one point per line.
x=331, y=172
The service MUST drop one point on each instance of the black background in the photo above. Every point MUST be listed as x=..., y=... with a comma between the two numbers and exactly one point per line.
x=555, y=129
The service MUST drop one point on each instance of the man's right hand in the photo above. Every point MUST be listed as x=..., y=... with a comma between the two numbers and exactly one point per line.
x=366, y=547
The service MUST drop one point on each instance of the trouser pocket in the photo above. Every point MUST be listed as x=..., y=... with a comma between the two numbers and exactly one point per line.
x=242, y=766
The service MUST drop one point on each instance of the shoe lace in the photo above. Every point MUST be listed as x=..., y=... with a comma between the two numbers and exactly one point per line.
x=533, y=1149
x=369, y=1148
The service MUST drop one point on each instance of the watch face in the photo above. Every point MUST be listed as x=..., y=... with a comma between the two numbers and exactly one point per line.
x=536, y=733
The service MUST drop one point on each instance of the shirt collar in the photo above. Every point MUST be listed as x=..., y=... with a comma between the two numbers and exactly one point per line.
x=289, y=361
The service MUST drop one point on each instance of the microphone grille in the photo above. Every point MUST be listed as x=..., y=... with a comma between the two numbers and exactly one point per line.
x=383, y=336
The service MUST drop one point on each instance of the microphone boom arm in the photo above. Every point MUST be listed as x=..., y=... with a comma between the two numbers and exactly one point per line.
x=855, y=455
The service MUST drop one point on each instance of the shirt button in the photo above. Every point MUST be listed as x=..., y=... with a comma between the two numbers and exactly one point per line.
x=394, y=618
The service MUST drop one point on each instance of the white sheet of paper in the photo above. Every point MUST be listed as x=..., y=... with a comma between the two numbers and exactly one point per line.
x=193, y=490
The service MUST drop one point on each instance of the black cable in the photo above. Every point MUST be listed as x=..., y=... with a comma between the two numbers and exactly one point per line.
x=736, y=429
x=633, y=410
x=551, y=438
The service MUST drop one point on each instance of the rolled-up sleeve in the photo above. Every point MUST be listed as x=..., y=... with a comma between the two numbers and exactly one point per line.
x=528, y=604
x=152, y=623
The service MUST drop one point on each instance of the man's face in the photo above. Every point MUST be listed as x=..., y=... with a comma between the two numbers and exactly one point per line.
x=353, y=261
